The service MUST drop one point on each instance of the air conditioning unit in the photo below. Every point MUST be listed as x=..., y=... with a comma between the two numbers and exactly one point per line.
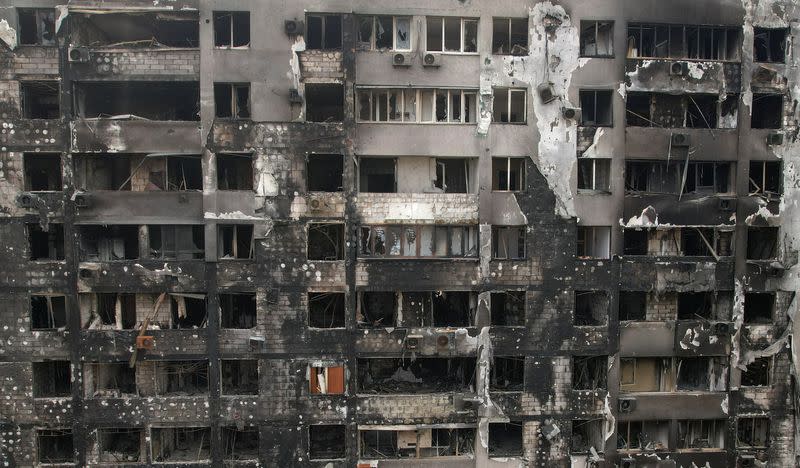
x=727, y=204
x=774, y=139
x=401, y=60
x=257, y=343
x=413, y=341
x=678, y=69
x=446, y=340
x=317, y=203
x=431, y=60
x=25, y=200
x=546, y=92
x=294, y=96
x=82, y=200
x=680, y=140
x=572, y=113
x=78, y=54
x=294, y=27
x=145, y=342
x=722, y=328
x=626, y=405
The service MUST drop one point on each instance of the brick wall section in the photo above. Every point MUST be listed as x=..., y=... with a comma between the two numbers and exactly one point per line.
x=409, y=208
x=30, y=62
x=317, y=65
x=130, y=63
x=661, y=308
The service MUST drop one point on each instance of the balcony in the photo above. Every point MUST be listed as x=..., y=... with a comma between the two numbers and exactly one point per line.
x=135, y=136
x=718, y=144
x=126, y=207
x=683, y=76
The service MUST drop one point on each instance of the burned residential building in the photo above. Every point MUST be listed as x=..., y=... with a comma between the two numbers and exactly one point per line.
x=383, y=234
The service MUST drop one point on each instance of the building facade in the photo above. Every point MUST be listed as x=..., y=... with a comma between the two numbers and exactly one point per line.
x=381, y=234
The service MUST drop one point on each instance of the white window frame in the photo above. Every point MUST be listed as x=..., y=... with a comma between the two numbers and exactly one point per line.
x=509, y=92
x=462, y=20
x=593, y=187
x=373, y=38
x=417, y=94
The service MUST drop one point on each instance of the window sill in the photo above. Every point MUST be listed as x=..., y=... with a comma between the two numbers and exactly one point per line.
x=597, y=56
x=509, y=123
x=498, y=259
x=449, y=259
x=247, y=47
x=450, y=52
x=681, y=59
x=593, y=192
x=414, y=123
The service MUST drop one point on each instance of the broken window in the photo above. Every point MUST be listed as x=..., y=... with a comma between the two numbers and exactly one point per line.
x=109, y=379
x=239, y=444
x=644, y=374
x=762, y=243
x=594, y=174
x=766, y=178
x=587, y=434
x=708, y=177
x=188, y=311
x=153, y=100
x=652, y=176
x=698, y=242
x=42, y=171
x=508, y=174
x=594, y=242
x=420, y=443
x=701, y=111
x=378, y=444
x=758, y=373
x=419, y=241
x=234, y=171
x=176, y=242
x=510, y=36
x=231, y=29
x=453, y=175
x=759, y=307
x=173, y=29
x=695, y=305
x=326, y=379
x=509, y=105
x=422, y=375
x=377, y=309
x=451, y=34
x=232, y=100
x=52, y=379
x=109, y=243
x=634, y=241
x=102, y=171
x=323, y=32
x=701, y=434
x=752, y=432
x=37, y=26
x=325, y=241
x=642, y=435
x=326, y=309
x=182, y=173
x=597, y=38
x=589, y=372
x=326, y=442
x=181, y=377
x=632, y=305
x=769, y=45
x=180, y=444
x=40, y=99
x=324, y=172
x=384, y=33
x=505, y=439
x=45, y=244
x=694, y=374
x=235, y=241
x=507, y=373
x=591, y=307
x=239, y=376
x=767, y=111
x=417, y=105
x=119, y=445
x=48, y=312
x=596, y=108
x=454, y=308
x=377, y=175
x=683, y=41
x=508, y=242
x=112, y=311
x=324, y=102
x=55, y=446
x=237, y=310
x=508, y=308
x=680, y=111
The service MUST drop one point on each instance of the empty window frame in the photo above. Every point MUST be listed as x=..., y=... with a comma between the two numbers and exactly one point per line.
x=48, y=312
x=324, y=172
x=108, y=379
x=632, y=306
x=384, y=33
x=752, y=432
x=188, y=311
x=102, y=171
x=708, y=177
x=421, y=443
x=181, y=377
x=758, y=373
x=642, y=435
x=663, y=177
x=507, y=373
x=453, y=175
x=767, y=111
x=239, y=444
x=109, y=243
x=54, y=446
x=594, y=174
x=759, y=307
x=695, y=305
x=505, y=439
x=417, y=105
x=42, y=172
x=323, y=32
x=591, y=308
x=45, y=244
x=509, y=105
x=326, y=379
x=700, y=374
x=237, y=310
x=770, y=45
x=683, y=41
x=378, y=444
x=235, y=241
x=324, y=102
x=510, y=36
x=239, y=376
x=587, y=434
x=169, y=242
x=40, y=99
x=634, y=241
x=418, y=241
x=645, y=374
x=589, y=372
x=597, y=38
x=508, y=174
x=182, y=173
x=325, y=241
x=37, y=26
x=377, y=175
x=508, y=308
x=766, y=178
x=596, y=108
x=234, y=171
x=701, y=434
x=232, y=100
x=452, y=308
x=706, y=242
x=681, y=111
x=377, y=309
x=231, y=29
x=112, y=311
x=451, y=34
x=762, y=243
x=327, y=441
x=154, y=100
x=326, y=309
x=119, y=444
x=509, y=242
x=52, y=379
x=180, y=444
x=422, y=375
x=593, y=242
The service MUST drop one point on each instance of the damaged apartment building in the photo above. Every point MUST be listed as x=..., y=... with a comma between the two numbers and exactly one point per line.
x=344, y=233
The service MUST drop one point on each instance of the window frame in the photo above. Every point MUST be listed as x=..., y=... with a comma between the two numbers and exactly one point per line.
x=373, y=39
x=37, y=13
x=510, y=92
x=594, y=230
x=324, y=22
x=496, y=229
x=234, y=105
x=685, y=31
x=464, y=96
x=596, y=24
x=595, y=92
x=508, y=20
x=594, y=189
x=404, y=229
x=522, y=176
x=230, y=46
x=462, y=38
x=312, y=366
